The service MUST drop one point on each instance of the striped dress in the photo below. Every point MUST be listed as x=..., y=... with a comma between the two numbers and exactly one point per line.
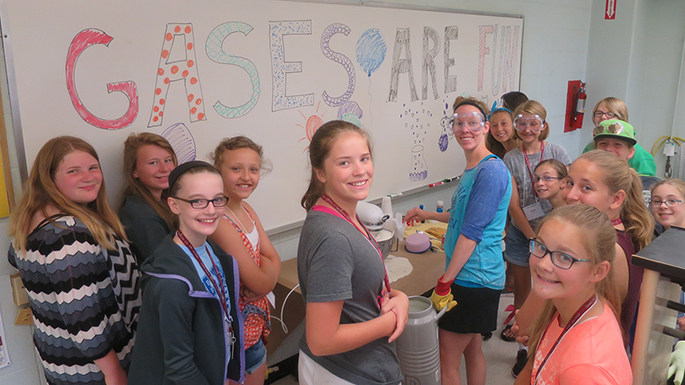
x=85, y=299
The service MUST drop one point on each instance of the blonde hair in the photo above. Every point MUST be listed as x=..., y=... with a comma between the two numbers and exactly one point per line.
x=533, y=107
x=676, y=183
x=134, y=186
x=492, y=144
x=235, y=143
x=319, y=149
x=40, y=191
x=617, y=176
x=615, y=106
x=599, y=237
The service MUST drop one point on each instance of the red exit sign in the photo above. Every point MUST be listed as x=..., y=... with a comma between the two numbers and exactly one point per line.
x=610, y=10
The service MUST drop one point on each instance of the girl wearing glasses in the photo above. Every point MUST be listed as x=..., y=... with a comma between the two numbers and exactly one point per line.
x=241, y=234
x=576, y=338
x=550, y=180
x=526, y=207
x=474, y=276
x=148, y=160
x=601, y=179
x=614, y=108
x=667, y=203
x=190, y=328
x=82, y=281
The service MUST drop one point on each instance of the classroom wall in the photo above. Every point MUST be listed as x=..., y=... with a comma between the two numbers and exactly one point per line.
x=639, y=58
x=557, y=45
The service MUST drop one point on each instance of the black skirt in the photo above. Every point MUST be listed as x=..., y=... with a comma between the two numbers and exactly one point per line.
x=476, y=310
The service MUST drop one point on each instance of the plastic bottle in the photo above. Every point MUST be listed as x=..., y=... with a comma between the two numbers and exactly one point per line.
x=440, y=207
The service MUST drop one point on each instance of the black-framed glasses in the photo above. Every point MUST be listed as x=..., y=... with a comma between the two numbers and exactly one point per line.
x=668, y=202
x=546, y=178
x=559, y=259
x=613, y=128
x=203, y=203
x=609, y=115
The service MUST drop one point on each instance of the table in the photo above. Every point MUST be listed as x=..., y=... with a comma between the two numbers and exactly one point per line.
x=427, y=268
x=664, y=265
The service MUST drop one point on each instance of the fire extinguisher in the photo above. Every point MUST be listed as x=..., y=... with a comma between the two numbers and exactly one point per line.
x=580, y=107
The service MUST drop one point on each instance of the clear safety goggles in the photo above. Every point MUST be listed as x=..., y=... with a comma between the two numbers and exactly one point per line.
x=473, y=121
x=534, y=123
x=614, y=128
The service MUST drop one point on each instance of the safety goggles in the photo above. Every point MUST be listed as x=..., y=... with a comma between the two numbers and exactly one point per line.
x=534, y=123
x=613, y=128
x=473, y=121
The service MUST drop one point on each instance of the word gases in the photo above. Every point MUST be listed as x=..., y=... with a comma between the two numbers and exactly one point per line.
x=178, y=63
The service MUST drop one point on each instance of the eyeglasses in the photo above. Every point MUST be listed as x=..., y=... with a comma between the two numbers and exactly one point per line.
x=609, y=115
x=534, y=123
x=474, y=121
x=546, y=178
x=203, y=203
x=667, y=202
x=559, y=259
x=613, y=128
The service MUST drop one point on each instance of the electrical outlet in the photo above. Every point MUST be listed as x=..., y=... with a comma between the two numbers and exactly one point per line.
x=669, y=148
x=25, y=317
x=18, y=290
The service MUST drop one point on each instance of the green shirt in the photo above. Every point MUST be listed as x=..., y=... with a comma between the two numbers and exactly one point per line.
x=642, y=161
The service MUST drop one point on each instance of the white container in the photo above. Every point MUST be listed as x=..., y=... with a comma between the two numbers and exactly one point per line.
x=417, y=347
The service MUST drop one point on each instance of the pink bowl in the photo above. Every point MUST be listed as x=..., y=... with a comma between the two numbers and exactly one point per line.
x=417, y=243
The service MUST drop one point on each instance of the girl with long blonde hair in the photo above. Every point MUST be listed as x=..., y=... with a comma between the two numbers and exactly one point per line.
x=74, y=260
x=576, y=338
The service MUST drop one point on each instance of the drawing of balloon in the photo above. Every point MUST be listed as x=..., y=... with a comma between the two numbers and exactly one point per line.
x=371, y=50
x=181, y=141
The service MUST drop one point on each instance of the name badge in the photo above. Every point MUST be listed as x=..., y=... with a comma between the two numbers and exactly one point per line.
x=534, y=211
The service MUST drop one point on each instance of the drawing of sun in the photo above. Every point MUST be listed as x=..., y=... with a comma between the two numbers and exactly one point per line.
x=311, y=125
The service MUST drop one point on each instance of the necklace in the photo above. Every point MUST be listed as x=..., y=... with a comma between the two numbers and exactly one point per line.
x=616, y=222
x=238, y=219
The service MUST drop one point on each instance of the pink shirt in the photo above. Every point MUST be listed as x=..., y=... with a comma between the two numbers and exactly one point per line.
x=591, y=353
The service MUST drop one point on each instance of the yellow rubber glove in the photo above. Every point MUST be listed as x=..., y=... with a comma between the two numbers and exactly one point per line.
x=442, y=296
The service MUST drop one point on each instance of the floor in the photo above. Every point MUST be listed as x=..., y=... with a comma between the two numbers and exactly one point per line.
x=499, y=355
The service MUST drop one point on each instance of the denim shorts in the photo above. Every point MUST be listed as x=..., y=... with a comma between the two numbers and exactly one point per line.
x=255, y=356
x=518, y=247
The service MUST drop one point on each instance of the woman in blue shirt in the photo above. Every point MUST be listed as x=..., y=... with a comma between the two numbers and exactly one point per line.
x=474, y=276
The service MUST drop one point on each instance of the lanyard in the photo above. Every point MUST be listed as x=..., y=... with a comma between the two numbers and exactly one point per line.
x=571, y=323
x=218, y=287
x=530, y=171
x=365, y=231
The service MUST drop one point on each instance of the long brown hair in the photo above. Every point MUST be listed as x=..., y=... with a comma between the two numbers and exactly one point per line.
x=492, y=144
x=40, y=191
x=319, y=149
x=599, y=239
x=617, y=176
x=133, y=185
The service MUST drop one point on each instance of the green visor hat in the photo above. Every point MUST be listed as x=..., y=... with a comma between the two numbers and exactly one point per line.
x=614, y=128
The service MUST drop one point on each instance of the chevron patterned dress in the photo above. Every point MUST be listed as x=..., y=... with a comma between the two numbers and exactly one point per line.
x=85, y=299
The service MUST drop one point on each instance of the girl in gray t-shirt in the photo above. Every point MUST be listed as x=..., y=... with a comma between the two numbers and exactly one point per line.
x=350, y=308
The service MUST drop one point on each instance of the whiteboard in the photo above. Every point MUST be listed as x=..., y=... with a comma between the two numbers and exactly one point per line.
x=196, y=72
